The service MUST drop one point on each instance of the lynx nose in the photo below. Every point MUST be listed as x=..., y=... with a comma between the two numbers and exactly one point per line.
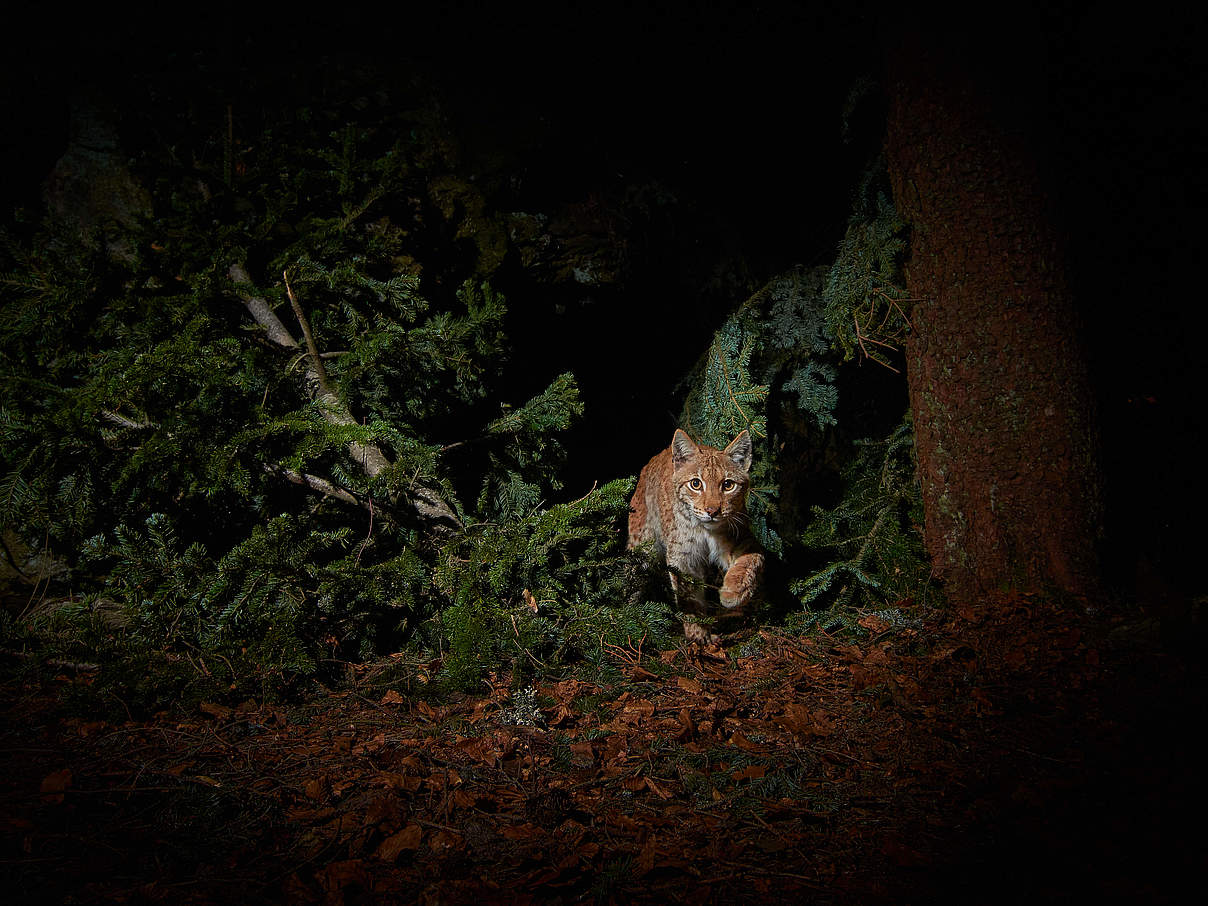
x=712, y=511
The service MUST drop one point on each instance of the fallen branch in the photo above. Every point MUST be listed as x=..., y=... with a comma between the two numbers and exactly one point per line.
x=121, y=421
x=315, y=483
x=311, y=347
x=426, y=503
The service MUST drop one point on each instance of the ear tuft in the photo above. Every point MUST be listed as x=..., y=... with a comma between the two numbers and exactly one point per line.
x=682, y=447
x=739, y=451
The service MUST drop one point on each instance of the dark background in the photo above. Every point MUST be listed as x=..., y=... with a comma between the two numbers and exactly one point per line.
x=738, y=112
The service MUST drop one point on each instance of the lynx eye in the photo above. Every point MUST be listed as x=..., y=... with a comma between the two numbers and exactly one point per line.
x=696, y=484
x=727, y=485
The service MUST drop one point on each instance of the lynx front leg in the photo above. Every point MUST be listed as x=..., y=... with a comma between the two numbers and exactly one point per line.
x=690, y=598
x=742, y=581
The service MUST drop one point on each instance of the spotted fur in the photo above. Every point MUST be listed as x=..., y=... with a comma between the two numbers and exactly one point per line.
x=691, y=504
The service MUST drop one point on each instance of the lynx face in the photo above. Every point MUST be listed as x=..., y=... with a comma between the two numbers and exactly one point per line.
x=712, y=484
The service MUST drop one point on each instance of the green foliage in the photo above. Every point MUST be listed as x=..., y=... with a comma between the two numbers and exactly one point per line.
x=539, y=588
x=179, y=464
x=531, y=454
x=866, y=309
x=775, y=349
x=871, y=536
x=775, y=367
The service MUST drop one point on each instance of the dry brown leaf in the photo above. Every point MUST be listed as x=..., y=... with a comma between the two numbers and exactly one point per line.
x=636, y=711
x=750, y=772
x=443, y=841
x=647, y=857
x=55, y=784
x=406, y=840
x=687, y=729
x=873, y=622
x=524, y=831
x=656, y=789
x=408, y=783
x=219, y=712
x=338, y=875
x=583, y=750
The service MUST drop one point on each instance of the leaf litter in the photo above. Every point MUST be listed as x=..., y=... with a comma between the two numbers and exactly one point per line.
x=1004, y=757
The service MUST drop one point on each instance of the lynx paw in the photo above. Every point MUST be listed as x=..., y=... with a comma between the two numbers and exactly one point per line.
x=742, y=581
x=697, y=634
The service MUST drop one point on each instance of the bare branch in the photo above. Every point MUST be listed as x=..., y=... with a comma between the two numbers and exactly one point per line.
x=315, y=483
x=311, y=347
x=427, y=504
x=261, y=312
x=121, y=421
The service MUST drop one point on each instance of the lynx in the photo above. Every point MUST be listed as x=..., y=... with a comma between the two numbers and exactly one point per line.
x=691, y=502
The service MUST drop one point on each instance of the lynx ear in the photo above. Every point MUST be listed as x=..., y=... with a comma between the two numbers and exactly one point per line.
x=682, y=447
x=739, y=451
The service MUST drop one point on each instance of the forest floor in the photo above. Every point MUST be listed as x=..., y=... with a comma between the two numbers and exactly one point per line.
x=1025, y=753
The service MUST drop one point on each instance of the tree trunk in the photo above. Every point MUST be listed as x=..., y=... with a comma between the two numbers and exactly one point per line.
x=1003, y=411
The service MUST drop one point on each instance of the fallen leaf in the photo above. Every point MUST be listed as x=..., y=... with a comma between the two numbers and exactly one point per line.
x=648, y=855
x=219, y=712
x=873, y=622
x=442, y=841
x=406, y=840
x=687, y=729
x=316, y=788
x=687, y=684
x=656, y=789
x=524, y=831
x=55, y=784
x=636, y=711
x=750, y=772
x=338, y=875
x=583, y=750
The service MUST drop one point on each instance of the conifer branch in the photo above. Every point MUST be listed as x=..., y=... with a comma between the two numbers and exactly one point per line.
x=428, y=505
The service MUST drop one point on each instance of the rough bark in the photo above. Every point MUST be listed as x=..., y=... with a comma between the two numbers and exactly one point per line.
x=1003, y=413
